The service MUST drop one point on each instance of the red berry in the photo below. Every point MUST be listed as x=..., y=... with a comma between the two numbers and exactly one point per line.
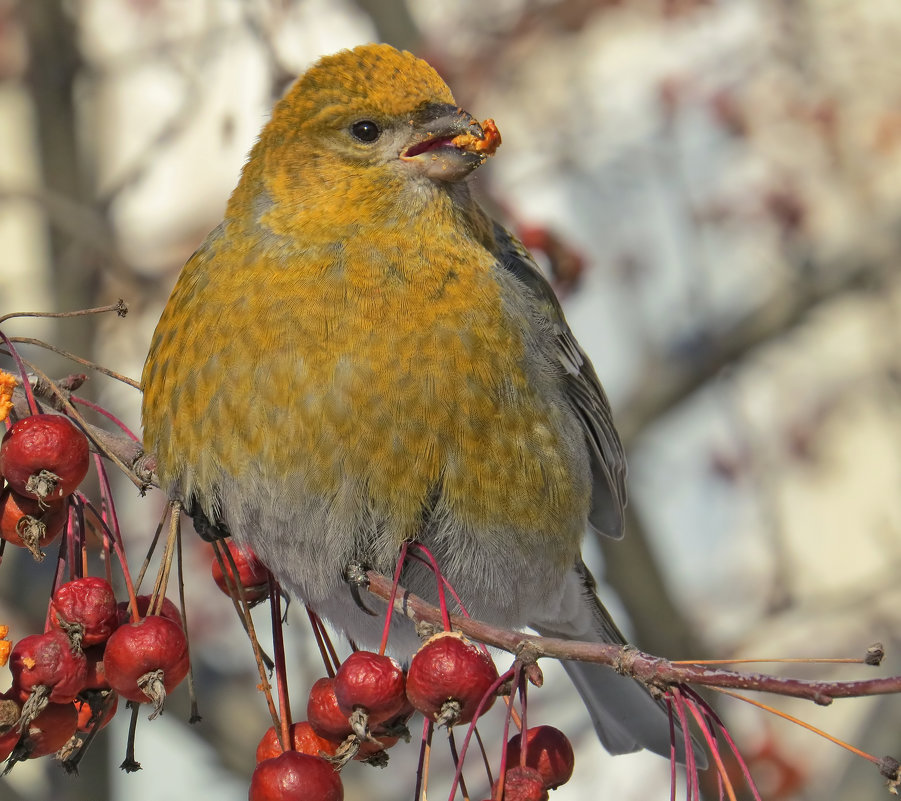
x=303, y=739
x=145, y=660
x=323, y=712
x=88, y=603
x=44, y=456
x=169, y=610
x=548, y=751
x=50, y=730
x=293, y=776
x=449, y=668
x=252, y=573
x=522, y=784
x=48, y=660
x=28, y=523
x=373, y=682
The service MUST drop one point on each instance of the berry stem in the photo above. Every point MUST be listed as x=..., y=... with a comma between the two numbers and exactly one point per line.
x=78, y=360
x=120, y=307
x=672, y=748
x=691, y=768
x=442, y=601
x=492, y=690
x=161, y=585
x=711, y=715
x=324, y=643
x=114, y=537
x=448, y=586
x=108, y=415
x=422, y=768
x=792, y=719
x=485, y=761
x=236, y=591
x=389, y=614
x=458, y=763
x=281, y=669
x=60, y=573
x=154, y=541
x=23, y=373
x=183, y=609
x=130, y=764
x=713, y=749
x=74, y=537
x=235, y=594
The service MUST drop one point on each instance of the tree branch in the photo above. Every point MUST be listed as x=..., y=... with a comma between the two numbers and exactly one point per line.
x=652, y=671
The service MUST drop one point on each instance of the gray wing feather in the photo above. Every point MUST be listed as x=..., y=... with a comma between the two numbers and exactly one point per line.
x=582, y=388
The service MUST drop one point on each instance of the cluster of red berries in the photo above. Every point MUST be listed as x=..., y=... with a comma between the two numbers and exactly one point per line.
x=94, y=649
x=364, y=708
x=67, y=681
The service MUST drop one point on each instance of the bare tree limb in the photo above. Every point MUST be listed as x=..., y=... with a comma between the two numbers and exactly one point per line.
x=651, y=670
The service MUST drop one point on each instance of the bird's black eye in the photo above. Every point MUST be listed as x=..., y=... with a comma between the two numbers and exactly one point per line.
x=365, y=130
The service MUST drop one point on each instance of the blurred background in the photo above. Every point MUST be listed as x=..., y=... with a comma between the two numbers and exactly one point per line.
x=715, y=189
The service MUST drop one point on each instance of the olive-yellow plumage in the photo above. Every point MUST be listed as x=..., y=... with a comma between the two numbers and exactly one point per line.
x=358, y=356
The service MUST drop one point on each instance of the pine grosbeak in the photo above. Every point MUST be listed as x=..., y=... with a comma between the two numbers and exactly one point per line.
x=358, y=356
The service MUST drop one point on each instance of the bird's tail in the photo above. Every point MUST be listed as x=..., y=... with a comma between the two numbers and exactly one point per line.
x=625, y=715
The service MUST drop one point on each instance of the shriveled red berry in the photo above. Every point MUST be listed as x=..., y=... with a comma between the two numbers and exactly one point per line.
x=323, y=712
x=44, y=456
x=48, y=660
x=168, y=610
x=293, y=776
x=448, y=677
x=85, y=609
x=548, y=750
x=522, y=784
x=373, y=682
x=252, y=573
x=49, y=731
x=145, y=660
x=303, y=739
x=29, y=524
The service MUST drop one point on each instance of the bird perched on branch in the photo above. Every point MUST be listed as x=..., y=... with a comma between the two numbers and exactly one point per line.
x=357, y=356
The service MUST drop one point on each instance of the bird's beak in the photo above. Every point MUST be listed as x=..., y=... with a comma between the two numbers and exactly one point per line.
x=447, y=143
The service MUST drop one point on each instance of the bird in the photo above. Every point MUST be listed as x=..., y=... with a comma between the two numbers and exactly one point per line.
x=359, y=357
